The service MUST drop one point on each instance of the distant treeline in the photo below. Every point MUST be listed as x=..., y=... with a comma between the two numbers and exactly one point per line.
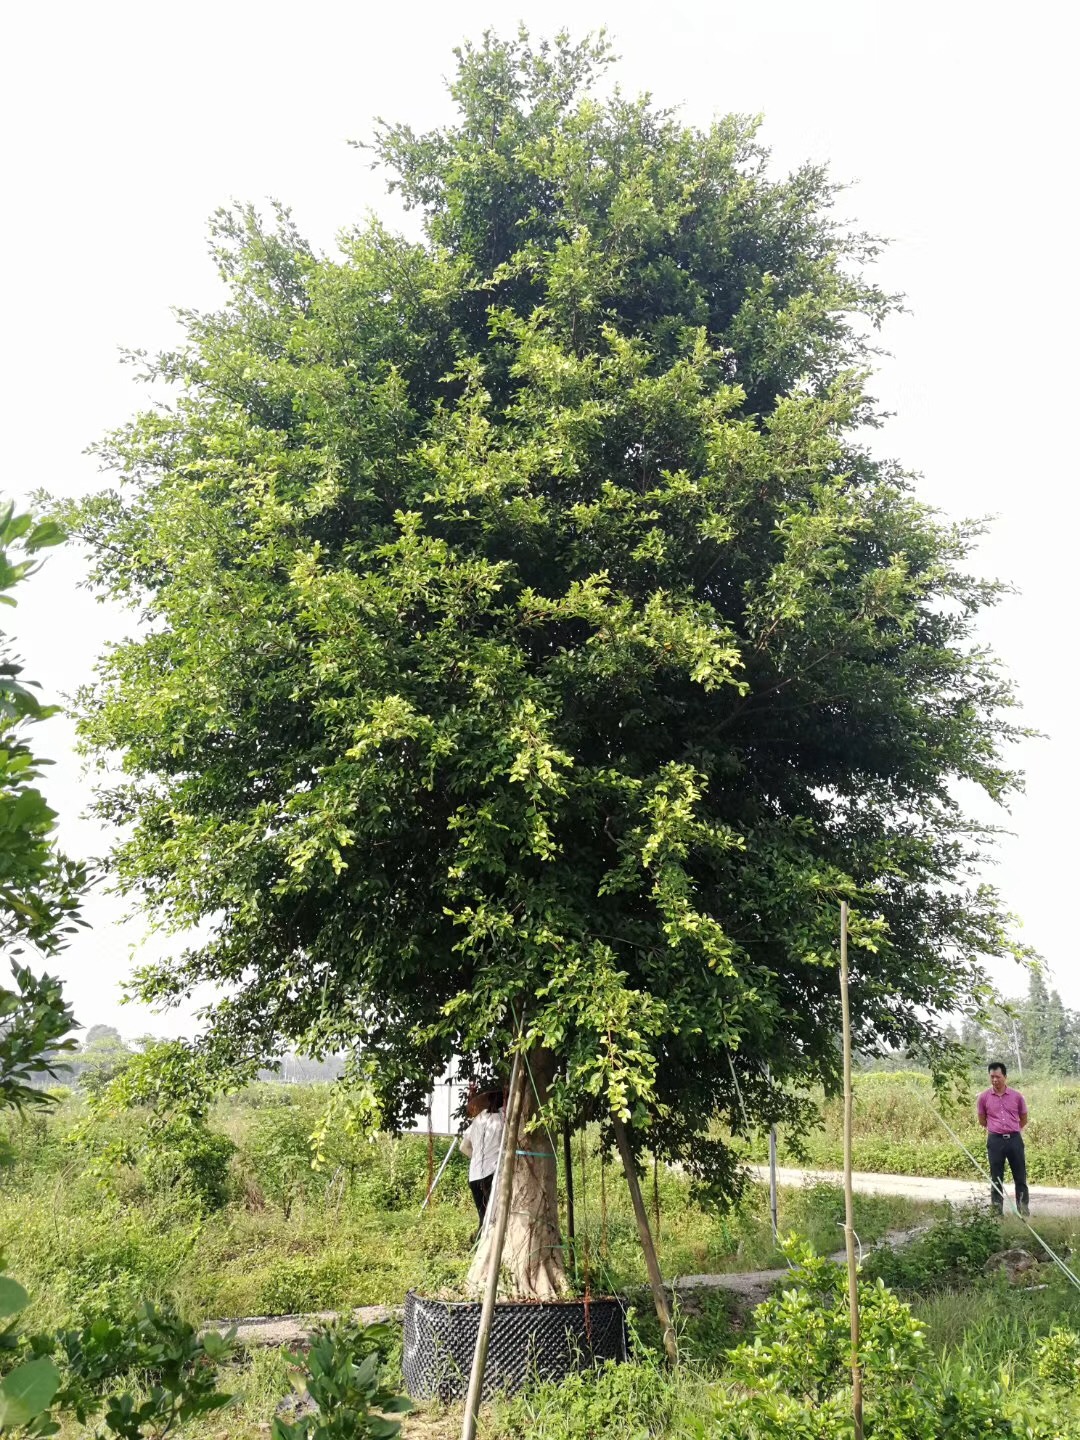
x=1038, y=1035
x=104, y=1052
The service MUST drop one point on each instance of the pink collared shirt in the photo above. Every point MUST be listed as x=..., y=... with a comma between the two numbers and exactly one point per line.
x=1003, y=1112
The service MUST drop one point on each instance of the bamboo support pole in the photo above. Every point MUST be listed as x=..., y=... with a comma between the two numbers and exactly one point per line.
x=849, y=1201
x=603, y=1201
x=430, y=1157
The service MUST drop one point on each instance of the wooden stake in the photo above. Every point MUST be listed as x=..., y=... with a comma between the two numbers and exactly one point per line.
x=774, y=1209
x=849, y=1201
x=656, y=1283
x=430, y=1157
x=584, y=1220
x=568, y=1171
x=655, y=1198
x=502, y=1216
x=446, y=1161
x=603, y=1200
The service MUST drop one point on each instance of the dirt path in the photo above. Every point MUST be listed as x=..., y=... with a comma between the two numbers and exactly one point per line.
x=1045, y=1199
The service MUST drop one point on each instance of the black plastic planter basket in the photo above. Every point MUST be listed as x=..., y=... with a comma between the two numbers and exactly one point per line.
x=529, y=1340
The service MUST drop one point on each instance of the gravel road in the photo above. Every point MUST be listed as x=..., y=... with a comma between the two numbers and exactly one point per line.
x=1045, y=1199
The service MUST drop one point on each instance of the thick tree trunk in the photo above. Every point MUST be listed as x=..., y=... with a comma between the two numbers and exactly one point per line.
x=533, y=1264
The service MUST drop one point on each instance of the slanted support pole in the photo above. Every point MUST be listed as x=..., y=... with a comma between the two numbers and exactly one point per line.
x=849, y=1199
x=502, y=1215
x=656, y=1283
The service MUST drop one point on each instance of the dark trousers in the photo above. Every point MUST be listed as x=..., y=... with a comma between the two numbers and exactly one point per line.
x=481, y=1193
x=1000, y=1148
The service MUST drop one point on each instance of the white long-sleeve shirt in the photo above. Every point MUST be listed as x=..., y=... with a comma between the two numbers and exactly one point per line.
x=481, y=1143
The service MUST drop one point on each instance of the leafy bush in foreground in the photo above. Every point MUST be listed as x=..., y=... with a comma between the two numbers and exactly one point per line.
x=86, y=1373
x=793, y=1381
x=344, y=1378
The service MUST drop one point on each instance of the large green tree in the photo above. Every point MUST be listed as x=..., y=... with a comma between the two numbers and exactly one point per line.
x=535, y=647
x=40, y=887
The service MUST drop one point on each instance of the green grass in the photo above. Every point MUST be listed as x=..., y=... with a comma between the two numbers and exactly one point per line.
x=352, y=1236
x=897, y=1132
x=293, y=1240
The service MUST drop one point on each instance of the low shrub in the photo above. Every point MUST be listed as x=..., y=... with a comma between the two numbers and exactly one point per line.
x=793, y=1383
x=955, y=1247
x=278, y=1151
x=633, y=1400
x=344, y=1374
x=1057, y=1358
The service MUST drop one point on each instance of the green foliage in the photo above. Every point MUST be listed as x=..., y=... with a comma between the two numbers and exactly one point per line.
x=1037, y=1034
x=25, y=1396
x=34, y=1021
x=39, y=887
x=100, y=1059
x=531, y=624
x=633, y=1401
x=793, y=1381
x=342, y=1373
x=955, y=1247
x=279, y=1144
x=1057, y=1358
x=176, y=1366
x=171, y=1088
x=802, y=1340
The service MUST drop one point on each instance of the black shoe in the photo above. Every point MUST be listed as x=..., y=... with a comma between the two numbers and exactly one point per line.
x=1024, y=1211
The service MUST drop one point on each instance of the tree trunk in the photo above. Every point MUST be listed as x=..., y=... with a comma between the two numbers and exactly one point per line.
x=533, y=1265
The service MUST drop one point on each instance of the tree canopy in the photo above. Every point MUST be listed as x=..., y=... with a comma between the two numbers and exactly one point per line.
x=39, y=886
x=534, y=639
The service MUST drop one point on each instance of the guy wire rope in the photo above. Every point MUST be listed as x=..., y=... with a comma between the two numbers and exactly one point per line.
x=985, y=1173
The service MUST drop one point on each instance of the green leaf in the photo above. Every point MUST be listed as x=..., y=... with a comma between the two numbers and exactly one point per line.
x=380, y=1429
x=214, y=1344
x=13, y=1297
x=44, y=533
x=27, y=1391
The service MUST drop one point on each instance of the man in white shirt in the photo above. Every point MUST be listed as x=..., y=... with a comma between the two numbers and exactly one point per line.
x=481, y=1144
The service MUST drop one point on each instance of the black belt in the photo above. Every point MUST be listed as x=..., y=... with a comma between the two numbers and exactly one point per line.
x=1004, y=1134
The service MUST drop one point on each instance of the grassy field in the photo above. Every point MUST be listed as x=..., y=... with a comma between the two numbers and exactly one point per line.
x=291, y=1240
x=287, y=1239
x=898, y=1130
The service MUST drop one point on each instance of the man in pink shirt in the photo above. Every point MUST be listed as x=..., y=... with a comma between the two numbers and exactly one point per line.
x=1003, y=1113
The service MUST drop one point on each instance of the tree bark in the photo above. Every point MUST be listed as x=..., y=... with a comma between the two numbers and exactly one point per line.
x=533, y=1264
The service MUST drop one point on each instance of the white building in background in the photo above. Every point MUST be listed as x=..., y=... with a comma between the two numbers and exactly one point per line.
x=444, y=1105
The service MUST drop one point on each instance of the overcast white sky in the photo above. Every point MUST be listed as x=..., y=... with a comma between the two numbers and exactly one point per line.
x=127, y=124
